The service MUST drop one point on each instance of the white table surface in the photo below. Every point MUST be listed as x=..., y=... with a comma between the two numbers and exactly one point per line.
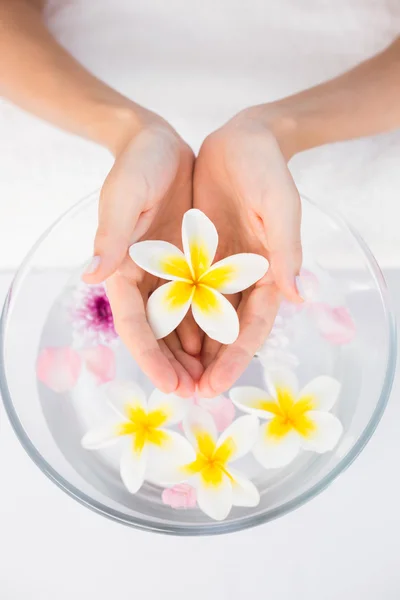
x=343, y=544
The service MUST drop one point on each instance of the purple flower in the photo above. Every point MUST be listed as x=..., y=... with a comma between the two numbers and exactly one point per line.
x=92, y=316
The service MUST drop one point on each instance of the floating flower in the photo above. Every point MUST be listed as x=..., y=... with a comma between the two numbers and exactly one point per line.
x=194, y=281
x=92, y=317
x=294, y=420
x=181, y=495
x=100, y=362
x=58, y=368
x=151, y=450
x=218, y=485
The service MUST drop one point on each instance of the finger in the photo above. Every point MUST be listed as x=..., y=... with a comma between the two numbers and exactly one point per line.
x=132, y=326
x=209, y=351
x=119, y=211
x=256, y=319
x=190, y=335
x=190, y=363
x=186, y=385
x=280, y=212
x=284, y=267
x=140, y=177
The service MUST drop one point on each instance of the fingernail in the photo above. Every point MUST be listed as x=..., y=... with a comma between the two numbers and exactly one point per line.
x=93, y=265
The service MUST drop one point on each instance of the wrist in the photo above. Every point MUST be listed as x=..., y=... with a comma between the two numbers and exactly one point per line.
x=292, y=124
x=114, y=125
x=285, y=125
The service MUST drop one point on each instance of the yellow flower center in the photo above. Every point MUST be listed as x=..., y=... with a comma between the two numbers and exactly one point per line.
x=211, y=462
x=196, y=282
x=289, y=414
x=144, y=427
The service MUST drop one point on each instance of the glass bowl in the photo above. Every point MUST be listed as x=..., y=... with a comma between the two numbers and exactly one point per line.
x=38, y=313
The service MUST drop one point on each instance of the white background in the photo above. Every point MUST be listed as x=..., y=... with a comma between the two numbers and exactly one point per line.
x=197, y=63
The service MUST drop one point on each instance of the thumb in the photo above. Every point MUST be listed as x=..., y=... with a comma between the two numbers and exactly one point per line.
x=281, y=216
x=123, y=197
x=118, y=215
x=140, y=177
x=284, y=267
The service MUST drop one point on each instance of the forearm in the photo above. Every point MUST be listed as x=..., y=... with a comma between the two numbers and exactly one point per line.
x=362, y=102
x=37, y=74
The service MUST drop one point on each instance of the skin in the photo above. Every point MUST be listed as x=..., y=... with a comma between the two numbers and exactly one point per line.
x=240, y=180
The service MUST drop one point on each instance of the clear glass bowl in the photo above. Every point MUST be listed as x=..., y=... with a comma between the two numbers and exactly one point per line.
x=50, y=426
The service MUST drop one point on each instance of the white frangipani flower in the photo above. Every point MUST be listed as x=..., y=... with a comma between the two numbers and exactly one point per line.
x=195, y=281
x=151, y=451
x=218, y=485
x=295, y=419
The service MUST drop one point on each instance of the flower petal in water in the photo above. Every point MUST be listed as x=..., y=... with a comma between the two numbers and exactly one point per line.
x=58, y=368
x=221, y=409
x=100, y=362
x=335, y=324
x=181, y=495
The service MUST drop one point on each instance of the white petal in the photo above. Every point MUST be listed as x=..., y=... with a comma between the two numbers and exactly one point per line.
x=326, y=434
x=214, y=501
x=283, y=379
x=161, y=259
x=244, y=492
x=215, y=315
x=200, y=241
x=123, y=393
x=272, y=453
x=251, y=400
x=242, y=435
x=100, y=437
x=198, y=421
x=133, y=467
x=167, y=306
x=166, y=462
x=236, y=273
x=323, y=392
x=174, y=407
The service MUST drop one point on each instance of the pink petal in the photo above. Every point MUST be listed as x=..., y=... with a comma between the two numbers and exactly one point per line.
x=308, y=285
x=335, y=324
x=58, y=368
x=180, y=496
x=100, y=361
x=220, y=408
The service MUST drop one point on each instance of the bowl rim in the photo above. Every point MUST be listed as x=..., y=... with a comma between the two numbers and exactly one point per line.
x=224, y=526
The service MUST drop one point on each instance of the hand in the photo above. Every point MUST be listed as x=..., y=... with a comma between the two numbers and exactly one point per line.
x=145, y=195
x=242, y=183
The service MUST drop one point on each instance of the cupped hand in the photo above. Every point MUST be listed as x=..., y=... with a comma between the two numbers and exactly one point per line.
x=242, y=183
x=145, y=196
